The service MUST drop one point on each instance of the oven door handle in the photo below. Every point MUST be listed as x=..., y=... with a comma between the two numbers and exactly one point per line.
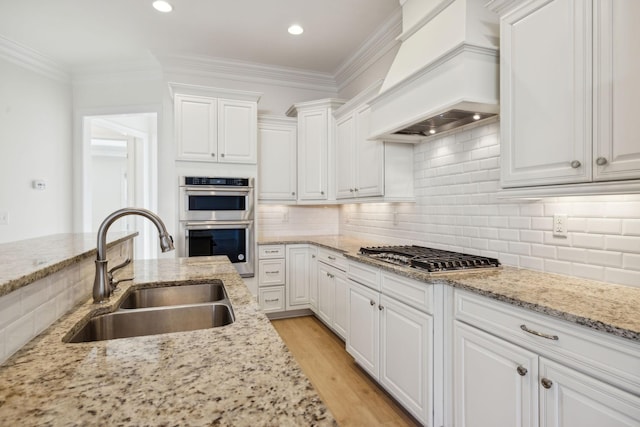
x=235, y=191
x=212, y=225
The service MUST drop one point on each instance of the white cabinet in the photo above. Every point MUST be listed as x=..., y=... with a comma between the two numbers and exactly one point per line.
x=568, y=92
x=332, y=291
x=313, y=278
x=495, y=381
x=315, y=142
x=391, y=340
x=298, y=276
x=215, y=125
x=271, y=278
x=359, y=162
x=513, y=367
x=277, y=154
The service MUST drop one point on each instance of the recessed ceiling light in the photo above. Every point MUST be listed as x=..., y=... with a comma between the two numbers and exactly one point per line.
x=476, y=116
x=162, y=6
x=295, y=30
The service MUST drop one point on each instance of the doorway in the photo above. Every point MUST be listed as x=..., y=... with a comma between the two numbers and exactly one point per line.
x=119, y=164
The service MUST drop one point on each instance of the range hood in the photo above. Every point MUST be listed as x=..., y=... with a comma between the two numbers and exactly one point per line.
x=445, y=74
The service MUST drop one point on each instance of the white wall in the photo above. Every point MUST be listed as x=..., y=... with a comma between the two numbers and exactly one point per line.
x=35, y=143
x=457, y=208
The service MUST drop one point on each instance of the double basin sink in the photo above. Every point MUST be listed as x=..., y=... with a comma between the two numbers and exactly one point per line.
x=161, y=310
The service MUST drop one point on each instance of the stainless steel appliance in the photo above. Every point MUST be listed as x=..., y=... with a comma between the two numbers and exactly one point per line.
x=216, y=199
x=216, y=216
x=429, y=259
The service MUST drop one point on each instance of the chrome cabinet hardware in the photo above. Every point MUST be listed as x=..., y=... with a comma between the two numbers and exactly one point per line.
x=322, y=192
x=213, y=154
x=522, y=371
x=293, y=193
x=272, y=272
x=372, y=302
x=313, y=256
x=330, y=275
x=539, y=334
x=222, y=155
x=351, y=190
x=331, y=258
x=272, y=251
x=601, y=161
x=546, y=383
x=576, y=164
x=381, y=307
x=272, y=300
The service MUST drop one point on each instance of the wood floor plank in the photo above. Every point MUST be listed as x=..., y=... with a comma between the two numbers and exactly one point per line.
x=353, y=397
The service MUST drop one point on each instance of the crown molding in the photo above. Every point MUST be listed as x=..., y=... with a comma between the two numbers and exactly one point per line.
x=375, y=47
x=31, y=59
x=145, y=69
x=246, y=71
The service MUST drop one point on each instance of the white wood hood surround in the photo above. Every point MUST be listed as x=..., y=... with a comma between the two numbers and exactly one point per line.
x=448, y=60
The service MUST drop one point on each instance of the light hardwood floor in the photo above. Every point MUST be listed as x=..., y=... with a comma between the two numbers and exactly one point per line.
x=351, y=395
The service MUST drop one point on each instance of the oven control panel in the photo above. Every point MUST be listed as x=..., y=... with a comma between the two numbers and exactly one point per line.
x=205, y=180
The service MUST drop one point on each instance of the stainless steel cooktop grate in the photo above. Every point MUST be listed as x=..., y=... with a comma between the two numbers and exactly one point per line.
x=429, y=259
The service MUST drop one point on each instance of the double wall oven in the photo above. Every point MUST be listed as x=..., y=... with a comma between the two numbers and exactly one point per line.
x=216, y=218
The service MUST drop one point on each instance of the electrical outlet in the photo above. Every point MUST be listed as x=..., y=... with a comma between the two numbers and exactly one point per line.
x=560, y=225
x=4, y=217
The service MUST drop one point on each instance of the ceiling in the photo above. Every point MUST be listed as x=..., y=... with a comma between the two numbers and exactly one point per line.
x=82, y=33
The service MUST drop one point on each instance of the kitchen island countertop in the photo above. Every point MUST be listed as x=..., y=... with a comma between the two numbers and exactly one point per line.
x=603, y=307
x=241, y=374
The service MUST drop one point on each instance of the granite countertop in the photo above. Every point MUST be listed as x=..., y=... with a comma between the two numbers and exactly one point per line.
x=241, y=374
x=600, y=306
x=26, y=261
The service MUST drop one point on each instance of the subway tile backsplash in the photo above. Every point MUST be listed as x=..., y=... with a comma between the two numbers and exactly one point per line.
x=457, y=208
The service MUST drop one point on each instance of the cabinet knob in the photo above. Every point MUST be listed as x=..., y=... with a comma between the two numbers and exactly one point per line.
x=576, y=164
x=522, y=371
x=222, y=155
x=322, y=192
x=601, y=161
x=293, y=193
x=313, y=256
x=372, y=302
x=546, y=383
x=381, y=307
x=213, y=154
x=351, y=190
x=356, y=190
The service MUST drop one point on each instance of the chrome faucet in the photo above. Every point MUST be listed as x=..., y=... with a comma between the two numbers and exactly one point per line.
x=103, y=284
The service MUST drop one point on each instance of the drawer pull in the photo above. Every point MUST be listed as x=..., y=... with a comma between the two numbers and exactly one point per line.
x=332, y=258
x=539, y=334
x=274, y=251
x=272, y=272
x=272, y=300
x=546, y=383
x=522, y=371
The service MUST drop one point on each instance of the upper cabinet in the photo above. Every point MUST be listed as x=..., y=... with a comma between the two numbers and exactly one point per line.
x=215, y=125
x=568, y=92
x=315, y=140
x=366, y=168
x=277, y=169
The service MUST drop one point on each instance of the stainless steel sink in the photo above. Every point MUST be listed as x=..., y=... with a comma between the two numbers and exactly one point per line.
x=175, y=295
x=152, y=321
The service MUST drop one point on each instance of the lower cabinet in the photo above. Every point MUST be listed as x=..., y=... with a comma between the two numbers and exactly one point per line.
x=393, y=342
x=298, y=275
x=271, y=299
x=522, y=371
x=332, y=298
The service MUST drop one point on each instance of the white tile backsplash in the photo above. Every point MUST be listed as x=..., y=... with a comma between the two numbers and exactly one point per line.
x=27, y=311
x=457, y=208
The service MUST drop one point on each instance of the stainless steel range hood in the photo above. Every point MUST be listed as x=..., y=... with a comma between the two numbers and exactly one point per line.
x=445, y=74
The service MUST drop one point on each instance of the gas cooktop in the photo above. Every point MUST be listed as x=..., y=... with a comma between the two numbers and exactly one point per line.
x=429, y=259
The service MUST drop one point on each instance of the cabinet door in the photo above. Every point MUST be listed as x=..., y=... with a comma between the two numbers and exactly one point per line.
x=363, y=330
x=545, y=54
x=297, y=276
x=277, y=169
x=313, y=278
x=237, y=131
x=571, y=399
x=326, y=294
x=616, y=89
x=340, y=321
x=313, y=137
x=406, y=356
x=495, y=382
x=345, y=139
x=195, y=127
x=368, y=158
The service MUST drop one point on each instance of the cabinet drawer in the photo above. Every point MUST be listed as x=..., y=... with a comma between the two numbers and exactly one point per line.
x=270, y=251
x=612, y=359
x=364, y=274
x=271, y=272
x=271, y=299
x=335, y=259
x=412, y=292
